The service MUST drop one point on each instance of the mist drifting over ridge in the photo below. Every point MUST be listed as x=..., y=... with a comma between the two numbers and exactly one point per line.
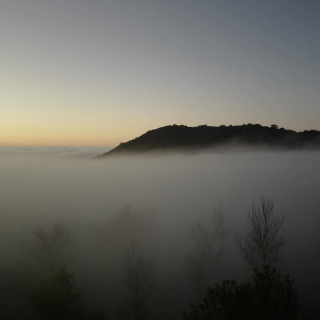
x=155, y=200
x=181, y=138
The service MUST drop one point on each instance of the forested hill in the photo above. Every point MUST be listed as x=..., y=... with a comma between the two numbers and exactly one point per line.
x=183, y=138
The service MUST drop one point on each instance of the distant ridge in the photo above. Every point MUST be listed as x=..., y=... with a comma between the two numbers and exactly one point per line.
x=190, y=139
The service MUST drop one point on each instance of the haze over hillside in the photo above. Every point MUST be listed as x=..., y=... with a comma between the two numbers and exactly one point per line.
x=184, y=138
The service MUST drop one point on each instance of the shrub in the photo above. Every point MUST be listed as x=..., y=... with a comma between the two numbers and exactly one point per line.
x=270, y=296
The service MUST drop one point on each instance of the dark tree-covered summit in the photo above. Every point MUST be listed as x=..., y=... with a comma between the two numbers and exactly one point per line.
x=183, y=138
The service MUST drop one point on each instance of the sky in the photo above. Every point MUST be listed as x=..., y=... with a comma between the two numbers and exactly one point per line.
x=101, y=72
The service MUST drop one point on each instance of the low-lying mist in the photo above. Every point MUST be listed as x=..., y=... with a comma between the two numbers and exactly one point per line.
x=100, y=217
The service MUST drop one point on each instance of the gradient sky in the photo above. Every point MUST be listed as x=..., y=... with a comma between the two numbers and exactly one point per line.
x=99, y=72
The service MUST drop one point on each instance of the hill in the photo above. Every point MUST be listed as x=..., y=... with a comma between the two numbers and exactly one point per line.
x=190, y=139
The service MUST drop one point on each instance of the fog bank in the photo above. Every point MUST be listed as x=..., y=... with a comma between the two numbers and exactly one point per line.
x=152, y=202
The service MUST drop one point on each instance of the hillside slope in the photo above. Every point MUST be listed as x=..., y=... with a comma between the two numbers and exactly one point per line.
x=183, y=138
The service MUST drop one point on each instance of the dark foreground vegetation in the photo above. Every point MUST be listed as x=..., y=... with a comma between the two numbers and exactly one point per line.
x=189, y=139
x=57, y=297
x=270, y=295
x=49, y=290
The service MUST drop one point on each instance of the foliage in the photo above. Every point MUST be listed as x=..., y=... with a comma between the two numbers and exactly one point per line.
x=59, y=298
x=275, y=296
x=270, y=296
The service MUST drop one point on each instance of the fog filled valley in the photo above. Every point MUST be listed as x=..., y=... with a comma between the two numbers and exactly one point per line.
x=130, y=233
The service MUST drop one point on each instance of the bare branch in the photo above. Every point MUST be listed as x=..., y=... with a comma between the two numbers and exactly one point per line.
x=264, y=241
x=139, y=274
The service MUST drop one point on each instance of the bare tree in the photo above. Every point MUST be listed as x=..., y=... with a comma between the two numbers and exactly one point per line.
x=51, y=244
x=264, y=241
x=208, y=247
x=139, y=275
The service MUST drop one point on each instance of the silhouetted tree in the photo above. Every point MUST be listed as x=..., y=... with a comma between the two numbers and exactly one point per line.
x=275, y=296
x=51, y=244
x=271, y=296
x=207, y=242
x=264, y=241
x=59, y=298
x=140, y=282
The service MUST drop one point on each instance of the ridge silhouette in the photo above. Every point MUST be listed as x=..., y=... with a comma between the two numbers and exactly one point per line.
x=184, y=138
